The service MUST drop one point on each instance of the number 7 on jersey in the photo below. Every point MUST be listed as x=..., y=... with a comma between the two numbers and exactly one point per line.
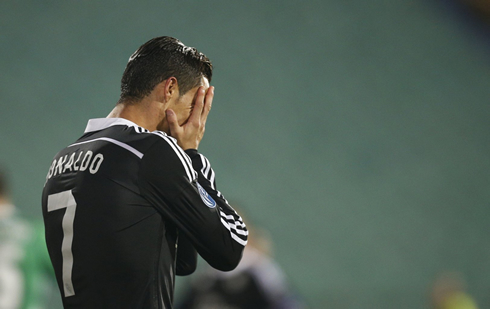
x=66, y=200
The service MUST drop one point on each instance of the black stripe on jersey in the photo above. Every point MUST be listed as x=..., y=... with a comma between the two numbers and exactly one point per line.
x=209, y=174
x=141, y=130
x=236, y=227
x=206, y=166
x=237, y=223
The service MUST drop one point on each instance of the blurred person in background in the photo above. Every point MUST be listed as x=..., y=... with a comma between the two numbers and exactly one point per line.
x=24, y=262
x=257, y=283
x=480, y=7
x=449, y=292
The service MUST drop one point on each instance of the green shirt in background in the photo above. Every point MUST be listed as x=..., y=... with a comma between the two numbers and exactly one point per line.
x=26, y=274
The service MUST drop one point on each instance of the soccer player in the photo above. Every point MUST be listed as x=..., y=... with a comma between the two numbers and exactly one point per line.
x=129, y=203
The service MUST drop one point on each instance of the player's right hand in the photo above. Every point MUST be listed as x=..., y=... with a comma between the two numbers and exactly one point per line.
x=190, y=134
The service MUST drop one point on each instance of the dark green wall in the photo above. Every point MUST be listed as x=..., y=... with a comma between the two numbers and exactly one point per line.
x=357, y=132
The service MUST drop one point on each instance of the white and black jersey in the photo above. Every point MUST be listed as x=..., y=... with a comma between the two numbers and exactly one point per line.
x=125, y=210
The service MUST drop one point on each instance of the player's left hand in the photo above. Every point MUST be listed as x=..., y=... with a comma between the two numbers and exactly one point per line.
x=190, y=134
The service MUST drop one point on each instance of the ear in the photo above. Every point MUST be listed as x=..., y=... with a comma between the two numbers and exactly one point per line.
x=169, y=88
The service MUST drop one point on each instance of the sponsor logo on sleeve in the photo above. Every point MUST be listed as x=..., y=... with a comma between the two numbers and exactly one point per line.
x=206, y=198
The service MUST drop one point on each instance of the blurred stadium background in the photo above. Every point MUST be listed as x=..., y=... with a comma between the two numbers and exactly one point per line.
x=356, y=132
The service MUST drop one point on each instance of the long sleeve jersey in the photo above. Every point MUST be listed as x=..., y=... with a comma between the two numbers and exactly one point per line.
x=126, y=209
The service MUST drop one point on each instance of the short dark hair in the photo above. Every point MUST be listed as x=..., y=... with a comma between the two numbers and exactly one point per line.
x=159, y=59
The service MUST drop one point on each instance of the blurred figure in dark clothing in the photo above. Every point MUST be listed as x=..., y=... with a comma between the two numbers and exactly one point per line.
x=257, y=283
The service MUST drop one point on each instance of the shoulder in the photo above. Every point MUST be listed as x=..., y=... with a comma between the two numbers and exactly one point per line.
x=166, y=154
x=162, y=144
x=131, y=137
x=124, y=133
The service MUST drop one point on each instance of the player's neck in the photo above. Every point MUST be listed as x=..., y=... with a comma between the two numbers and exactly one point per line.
x=145, y=113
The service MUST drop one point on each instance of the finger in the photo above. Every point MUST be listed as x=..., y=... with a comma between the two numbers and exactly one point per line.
x=208, y=102
x=172, y=121
x=198, y=106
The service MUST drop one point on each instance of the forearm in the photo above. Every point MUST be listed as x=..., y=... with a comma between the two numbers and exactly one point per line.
x=187, y=196
x=186, y=256
x=231, y=233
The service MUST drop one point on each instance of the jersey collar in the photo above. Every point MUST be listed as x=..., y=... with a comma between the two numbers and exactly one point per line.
x=102, y=123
